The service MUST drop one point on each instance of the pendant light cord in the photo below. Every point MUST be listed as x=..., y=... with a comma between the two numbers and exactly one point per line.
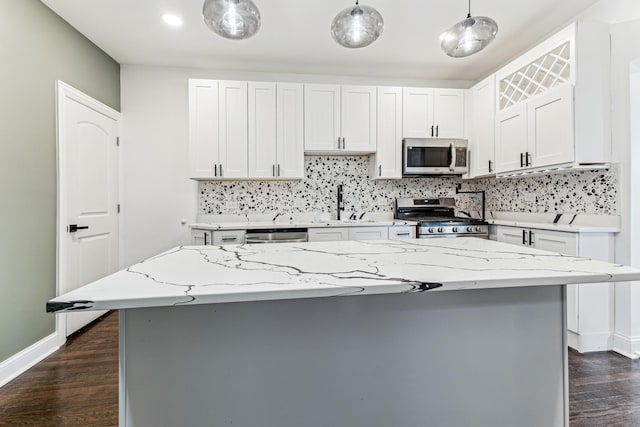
x=468, y=15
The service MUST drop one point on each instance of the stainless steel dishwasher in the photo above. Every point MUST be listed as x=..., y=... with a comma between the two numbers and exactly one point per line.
x=277, y=235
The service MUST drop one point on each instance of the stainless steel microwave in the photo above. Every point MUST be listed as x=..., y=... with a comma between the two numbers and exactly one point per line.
x=434, y=156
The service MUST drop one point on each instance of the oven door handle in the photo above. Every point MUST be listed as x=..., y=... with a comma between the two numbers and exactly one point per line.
x=452, y=166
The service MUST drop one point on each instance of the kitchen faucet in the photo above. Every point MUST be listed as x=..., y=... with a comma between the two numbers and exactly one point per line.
x=340, y=202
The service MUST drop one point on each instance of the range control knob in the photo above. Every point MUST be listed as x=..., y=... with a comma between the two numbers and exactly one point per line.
x=478, y=229
x=454, y=229
x=440, y=230
x=470, y=229
x=431, y=229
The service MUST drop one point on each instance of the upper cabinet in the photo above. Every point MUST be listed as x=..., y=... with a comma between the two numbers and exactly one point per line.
x=339, y=119
x=387, y=161
x=553, y=104
x=433, y=113
x=245, y=130
x=482, y=128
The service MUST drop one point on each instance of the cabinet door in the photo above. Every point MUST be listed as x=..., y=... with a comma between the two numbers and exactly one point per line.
x=203, y=128
x=233, y=129
x=262, y=130
x=358, y=118
x=321, y=117
x=511, y=138
x=550, y=117
x=200, y=237
x=388, y=159
x=512, y=235
x=290, y=130
x=368, y=233
x=448, y=113
x=482, y=137
x=417, y=118
x=328, y=234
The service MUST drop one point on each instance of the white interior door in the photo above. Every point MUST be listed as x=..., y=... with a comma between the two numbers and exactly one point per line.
x=88, y=191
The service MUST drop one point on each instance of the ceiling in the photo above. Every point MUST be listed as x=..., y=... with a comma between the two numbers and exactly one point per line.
x=295, y=37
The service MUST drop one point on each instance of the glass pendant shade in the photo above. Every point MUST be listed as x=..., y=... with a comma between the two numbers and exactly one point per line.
x=232, y=19
x=469, y=36
x=357, y=26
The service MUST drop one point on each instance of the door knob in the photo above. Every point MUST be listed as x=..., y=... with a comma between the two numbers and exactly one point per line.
x=74, y=227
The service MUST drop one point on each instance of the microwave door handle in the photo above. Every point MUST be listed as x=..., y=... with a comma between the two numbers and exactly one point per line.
x=452, y=166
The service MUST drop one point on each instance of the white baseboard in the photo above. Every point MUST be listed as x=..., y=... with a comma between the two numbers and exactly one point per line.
x=585, y=343
x=25, y=359
x=627, y=346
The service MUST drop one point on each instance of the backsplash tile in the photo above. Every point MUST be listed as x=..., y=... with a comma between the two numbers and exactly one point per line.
x=592, y=192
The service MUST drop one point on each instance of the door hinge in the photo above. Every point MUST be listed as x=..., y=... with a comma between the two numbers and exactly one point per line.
x=118, y=207
x=117, y=141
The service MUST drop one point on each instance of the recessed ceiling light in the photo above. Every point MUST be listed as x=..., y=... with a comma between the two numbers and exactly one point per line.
x=172, y=20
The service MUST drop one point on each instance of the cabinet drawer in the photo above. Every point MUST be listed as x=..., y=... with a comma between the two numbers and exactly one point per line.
x=328, y=234
x=404, y=232
x=231, y=237
x=368, y=233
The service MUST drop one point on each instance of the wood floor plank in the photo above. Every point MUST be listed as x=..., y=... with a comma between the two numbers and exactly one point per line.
x=78, y=386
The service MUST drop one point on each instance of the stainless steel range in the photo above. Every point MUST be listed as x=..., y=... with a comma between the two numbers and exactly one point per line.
x=436, y=218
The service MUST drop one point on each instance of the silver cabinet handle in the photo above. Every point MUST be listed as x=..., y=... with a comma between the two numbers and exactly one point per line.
x=528, y=157
x=273, y=170
x=221, y=175
x=344, y=143
x=437, y=131
x=229, y=239
x=339, y=143
x=380, y=170
x=402, y=234
x=278, y=173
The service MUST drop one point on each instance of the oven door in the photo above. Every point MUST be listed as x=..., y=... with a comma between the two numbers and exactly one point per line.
x=434, y=157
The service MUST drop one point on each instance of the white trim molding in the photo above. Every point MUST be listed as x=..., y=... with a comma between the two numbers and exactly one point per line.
x=626, y=345
x=585, y=343
x=25, y=359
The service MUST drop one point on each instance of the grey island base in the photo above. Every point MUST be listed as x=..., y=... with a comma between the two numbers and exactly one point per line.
x=486, y=348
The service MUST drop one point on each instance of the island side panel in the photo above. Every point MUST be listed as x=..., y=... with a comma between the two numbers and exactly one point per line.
x=491, y=357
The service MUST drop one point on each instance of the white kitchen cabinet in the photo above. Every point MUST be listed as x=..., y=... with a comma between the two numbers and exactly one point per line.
x=368, y=233
x=204, y=158
x=229, y=237
x=511, y=141
x=290, y=130
x=563, y=85
x=329, y=234
x=262, y=130
x=482, y=115
x=233, y=134
x=402, y=232
x=358, y=118
x=275, y=123
x=433, y=113
x=339, y=119
x=386, y=163
x=589, y=306
x=200, y=237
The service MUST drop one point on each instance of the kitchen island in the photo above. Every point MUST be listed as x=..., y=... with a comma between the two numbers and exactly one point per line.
x=438, y=332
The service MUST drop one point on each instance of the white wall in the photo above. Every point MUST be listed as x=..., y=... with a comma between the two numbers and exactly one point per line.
x=613, y=11
x=157, y=193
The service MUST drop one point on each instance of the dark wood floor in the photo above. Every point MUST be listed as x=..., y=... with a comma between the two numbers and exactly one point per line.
x=78, y=386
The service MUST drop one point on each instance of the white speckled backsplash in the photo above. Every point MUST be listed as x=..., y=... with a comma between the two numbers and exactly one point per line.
x=592, y=192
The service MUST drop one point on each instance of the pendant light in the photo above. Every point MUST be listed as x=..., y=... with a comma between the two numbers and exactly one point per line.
x=357, y=26
x=468, y=36
x=232, y=19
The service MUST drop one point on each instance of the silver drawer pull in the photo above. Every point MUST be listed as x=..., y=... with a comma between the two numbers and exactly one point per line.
x=402, y=234
x=229, y=239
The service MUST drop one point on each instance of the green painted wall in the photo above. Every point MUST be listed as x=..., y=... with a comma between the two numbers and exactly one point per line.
x=36, y=48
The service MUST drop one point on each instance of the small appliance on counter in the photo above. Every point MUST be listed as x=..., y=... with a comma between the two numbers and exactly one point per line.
x=436, y=218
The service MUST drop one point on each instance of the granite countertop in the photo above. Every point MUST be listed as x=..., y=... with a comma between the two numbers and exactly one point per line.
x=567, y=222
x=218, y=274
x=570, y=228
x=252, y=225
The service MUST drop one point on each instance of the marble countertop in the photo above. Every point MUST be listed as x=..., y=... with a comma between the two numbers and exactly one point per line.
x=252, y=225
x=218, y=274
x=580, y=223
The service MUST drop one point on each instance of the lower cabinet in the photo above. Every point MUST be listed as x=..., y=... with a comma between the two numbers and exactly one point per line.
x=402, y=232
x=368, y=233
x=218, y=238
x=589, y=306
x=328, y=234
